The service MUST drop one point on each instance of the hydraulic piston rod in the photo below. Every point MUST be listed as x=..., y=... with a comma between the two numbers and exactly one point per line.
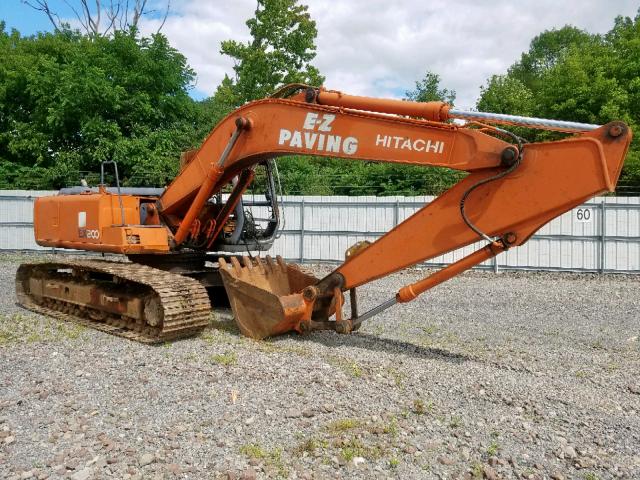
x=441, y=112
x=530, y=122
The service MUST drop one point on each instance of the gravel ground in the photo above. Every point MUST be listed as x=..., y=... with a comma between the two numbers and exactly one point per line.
x=497, y=376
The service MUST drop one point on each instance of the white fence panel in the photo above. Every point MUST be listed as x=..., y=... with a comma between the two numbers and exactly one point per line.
x=603, y=235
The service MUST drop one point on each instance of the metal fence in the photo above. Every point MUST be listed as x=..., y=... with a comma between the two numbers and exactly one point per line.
x=602, y=235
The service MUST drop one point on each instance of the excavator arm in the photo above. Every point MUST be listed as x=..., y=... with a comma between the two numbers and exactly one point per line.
x=511, y=190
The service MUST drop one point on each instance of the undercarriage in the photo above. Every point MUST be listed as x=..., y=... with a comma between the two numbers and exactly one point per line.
x=124, y=299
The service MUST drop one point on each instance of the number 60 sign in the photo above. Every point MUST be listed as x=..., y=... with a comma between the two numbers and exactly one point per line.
x=583, y=215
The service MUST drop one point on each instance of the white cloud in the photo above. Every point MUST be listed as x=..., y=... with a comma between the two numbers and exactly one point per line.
x=380, y=48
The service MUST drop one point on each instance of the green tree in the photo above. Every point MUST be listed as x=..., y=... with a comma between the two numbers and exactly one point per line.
x=570, y=74
x=69, y=102
x=506, y=94
x=280, y=51
x=428, y=90
x=545, y=51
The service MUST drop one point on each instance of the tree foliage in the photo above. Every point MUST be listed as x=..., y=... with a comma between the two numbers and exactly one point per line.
x=280, y=51
x=570, y=74
x=69, y=102
x=428, y=90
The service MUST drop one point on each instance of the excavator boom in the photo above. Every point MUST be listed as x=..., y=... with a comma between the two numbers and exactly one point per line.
x=511, y=190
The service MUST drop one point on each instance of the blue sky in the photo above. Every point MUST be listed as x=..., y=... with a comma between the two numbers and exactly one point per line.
x=371, y=47
x=24, y=19
x=29, y=21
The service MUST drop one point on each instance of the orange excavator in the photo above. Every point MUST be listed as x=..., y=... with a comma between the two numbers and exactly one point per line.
x=184, y=242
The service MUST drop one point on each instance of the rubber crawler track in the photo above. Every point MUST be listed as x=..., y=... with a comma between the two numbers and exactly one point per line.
x=184, y=300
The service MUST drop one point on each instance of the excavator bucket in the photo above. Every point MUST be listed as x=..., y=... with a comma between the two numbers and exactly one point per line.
x=267, y=297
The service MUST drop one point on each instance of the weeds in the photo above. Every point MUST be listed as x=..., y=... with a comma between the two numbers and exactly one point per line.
x=215, y=336
x=477, y=471
x=253, y=450
x=343, y=425
x=354, y=447
x=455, y=422
x=226, y=326
x=429, y=330
x=226, y=359
x=398, y=376
x=421, y=408
x=268, y=346
x=18, y=328
x=492, y=450
x=612, y=367
x=310, y=445
x=272, y=457
x=347, y=366
x=391, y=428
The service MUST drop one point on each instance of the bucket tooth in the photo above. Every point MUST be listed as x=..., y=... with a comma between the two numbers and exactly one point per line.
x=270, y=264
x=260, y=263
x=281, y=263
x=236, y=265
x=266, y=297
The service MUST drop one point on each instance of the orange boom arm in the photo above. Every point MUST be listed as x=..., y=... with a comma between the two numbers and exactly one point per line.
x=510, y=193
x=512, y=189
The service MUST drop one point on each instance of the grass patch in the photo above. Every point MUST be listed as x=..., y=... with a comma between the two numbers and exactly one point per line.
x=493, y=449
x=354, y=447
x=272, y=458
x=253, y=450
x=347, y=366
x=215, y=336
x=397, y=376
x=19, y=328
x=429, y=329
x=270, y=346
x=422, y=408
x=191, y=357
x=391, y=428
x=612, y=367
x=226, y=359
x=455, y=421
x=344, y=425
x=310, y=445
x=226, y=326
x=477, y=471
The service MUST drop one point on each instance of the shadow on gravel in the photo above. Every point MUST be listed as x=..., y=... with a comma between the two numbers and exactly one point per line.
x=384, y=345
